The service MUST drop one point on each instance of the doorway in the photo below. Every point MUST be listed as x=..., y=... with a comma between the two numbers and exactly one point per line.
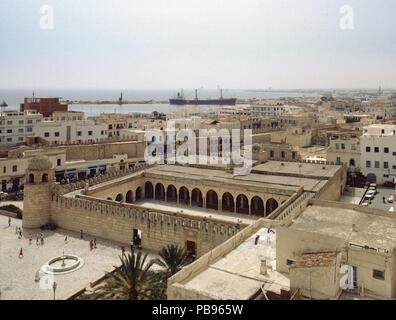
x=191, y=247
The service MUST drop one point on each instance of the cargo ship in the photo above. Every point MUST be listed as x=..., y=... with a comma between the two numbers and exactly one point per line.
x=181, y=100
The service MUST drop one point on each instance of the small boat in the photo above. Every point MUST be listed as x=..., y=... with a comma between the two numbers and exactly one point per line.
x=4, y=104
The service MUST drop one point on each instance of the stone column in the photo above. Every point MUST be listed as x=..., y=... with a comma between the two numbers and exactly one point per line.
x=220, y=205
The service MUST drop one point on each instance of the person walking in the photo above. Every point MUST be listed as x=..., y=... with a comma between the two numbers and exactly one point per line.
x=66, y=239
x=90, y=245
x=9, y=221
x=42, y=239
x=94, y=243
x=81, y=234
x=30, y=239
x=132, y=245
x=20, y=253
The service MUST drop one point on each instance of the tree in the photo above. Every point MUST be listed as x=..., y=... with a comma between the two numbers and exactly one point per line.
x=155, y=114
x=133, y=280
x=172, y=259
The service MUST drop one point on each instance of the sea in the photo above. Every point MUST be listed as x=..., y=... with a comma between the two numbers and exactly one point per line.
x=14, y=97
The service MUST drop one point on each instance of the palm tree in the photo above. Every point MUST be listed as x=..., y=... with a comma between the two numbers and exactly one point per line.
x=133, y=280
x=173, y=258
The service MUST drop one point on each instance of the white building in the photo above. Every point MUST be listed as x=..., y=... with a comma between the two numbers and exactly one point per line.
x=58, y=132
x=378, y=153
x=15, y=126
x=267, y=111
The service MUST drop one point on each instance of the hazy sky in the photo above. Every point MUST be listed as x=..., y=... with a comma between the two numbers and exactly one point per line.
x=197, y=43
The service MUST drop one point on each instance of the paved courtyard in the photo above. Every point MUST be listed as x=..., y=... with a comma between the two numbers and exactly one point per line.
x=17, y=275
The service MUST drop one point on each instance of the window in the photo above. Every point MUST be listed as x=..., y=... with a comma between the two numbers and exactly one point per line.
x=352, y=162
x=382, y=131
x=58, y=162
x=56, y=134
x=9, y=139
x=386, y=150
x=90, y=133
x=377, y=164
x=4, y=169
x=386, y=165
x=283, y=154
x=30, y=121
x=14, y=168
x=20, y=121
x=376, y=149
x=9, y=131
x=9, y=122
x=20, y=130
x=380, y=275
x=20, y=139
x=271, y=153
x=289, y=262
x=29, y=129
x=338, y=160
x=342, y=146
x=337, y=146
x=353, y=147
x=368, y=149
x=368, y=164
x=46, y=134
x=79, y=133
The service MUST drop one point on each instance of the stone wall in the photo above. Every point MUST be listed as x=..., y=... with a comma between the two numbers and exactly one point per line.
x=116, y=222
x=133, y=149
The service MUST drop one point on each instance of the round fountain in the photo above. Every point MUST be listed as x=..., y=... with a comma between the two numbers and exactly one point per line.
x=63, y=264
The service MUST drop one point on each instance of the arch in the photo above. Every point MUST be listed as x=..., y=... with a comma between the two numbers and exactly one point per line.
x=270, y=206
x=196, y=198
x=119, y=197
x=129, y=196
x=159, y=192
x=138, y=194
x=227, y=203
x=171, y=193
x=257, y=206
x=371, y=178
x=148, y=190
x=44, y=177
x=108, y=198
x=242, y=204
x=212, y=200
x=31, y=178
x=184, y=196
x=352, y=162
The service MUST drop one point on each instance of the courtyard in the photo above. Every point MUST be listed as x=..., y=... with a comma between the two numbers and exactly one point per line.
x=17, y=275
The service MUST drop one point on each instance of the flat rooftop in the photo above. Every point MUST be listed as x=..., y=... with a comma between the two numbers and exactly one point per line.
x=288, y=184
x=372, y=230
x=236, y=275
x=298, y=168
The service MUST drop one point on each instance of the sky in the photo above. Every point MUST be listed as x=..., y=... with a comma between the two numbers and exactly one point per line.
x=163, y=44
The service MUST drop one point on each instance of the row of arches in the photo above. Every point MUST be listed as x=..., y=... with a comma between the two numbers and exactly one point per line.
x=227, y=203
x=44, y=178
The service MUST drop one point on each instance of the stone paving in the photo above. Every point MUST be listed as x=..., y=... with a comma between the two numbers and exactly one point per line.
x=17, y=275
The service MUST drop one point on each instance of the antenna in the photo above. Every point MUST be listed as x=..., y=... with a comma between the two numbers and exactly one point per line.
x=196, y=94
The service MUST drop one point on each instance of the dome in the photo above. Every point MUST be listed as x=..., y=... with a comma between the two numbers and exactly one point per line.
x=40, y=163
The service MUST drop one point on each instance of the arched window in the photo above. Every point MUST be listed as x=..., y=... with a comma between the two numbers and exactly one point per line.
x=138, y=194
x=119, y=197
x=270, y=206
x=171, y=193
x=352, y=162
x=242, y=204
x=257, y=206
x=160, y=192
x=184, y=196
x=31, y=178
x=128, y=196
x=196, y=198
x=227, y=203
x=212, y=201
x=148, y=190
x=44, y=178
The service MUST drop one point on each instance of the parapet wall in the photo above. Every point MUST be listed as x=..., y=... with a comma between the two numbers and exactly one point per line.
x=114, y=221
